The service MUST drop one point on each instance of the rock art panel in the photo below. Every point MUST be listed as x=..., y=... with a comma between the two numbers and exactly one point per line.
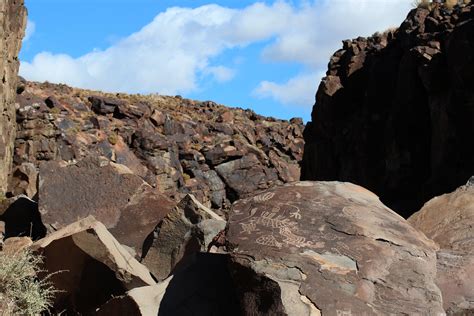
x=344, y=249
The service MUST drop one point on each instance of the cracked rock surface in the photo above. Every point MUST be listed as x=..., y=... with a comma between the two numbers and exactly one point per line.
x=329, y=248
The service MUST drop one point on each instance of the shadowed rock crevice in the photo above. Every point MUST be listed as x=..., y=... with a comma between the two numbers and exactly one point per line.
x=22, y=218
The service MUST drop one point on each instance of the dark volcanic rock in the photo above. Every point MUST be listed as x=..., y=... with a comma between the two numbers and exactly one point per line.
x=186, y=230
x=330, y=247
x=127, y=206
x=176, y=145
x=395, y=112
x=449, y=221
x=12, y=27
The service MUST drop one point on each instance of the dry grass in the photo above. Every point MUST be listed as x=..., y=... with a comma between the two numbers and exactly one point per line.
x=21, y=293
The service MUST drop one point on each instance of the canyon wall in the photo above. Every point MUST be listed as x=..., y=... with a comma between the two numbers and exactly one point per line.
x=12, y=23
x=395, y=111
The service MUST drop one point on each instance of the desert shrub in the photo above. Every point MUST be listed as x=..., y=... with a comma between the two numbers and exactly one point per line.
x=21, y=293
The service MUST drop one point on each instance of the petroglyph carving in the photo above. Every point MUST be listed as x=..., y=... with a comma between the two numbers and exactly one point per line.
x=269, y=240
x=296, y=215
x=264, y=197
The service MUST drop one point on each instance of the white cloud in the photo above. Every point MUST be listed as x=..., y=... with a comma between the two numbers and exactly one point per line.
x=221, y=73
x=298, y=91
x=172, y=53
x=314, y=32
x=30, y=30
x=168, y=54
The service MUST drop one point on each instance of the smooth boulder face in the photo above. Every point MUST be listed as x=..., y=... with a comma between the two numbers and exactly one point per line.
x=449, y=221
x=189, y=228
x=330, y=248
x=12, y=27
x=122, y=201
x=89, y=265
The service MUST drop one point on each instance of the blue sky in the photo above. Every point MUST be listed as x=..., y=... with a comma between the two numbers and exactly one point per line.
x=268, y=56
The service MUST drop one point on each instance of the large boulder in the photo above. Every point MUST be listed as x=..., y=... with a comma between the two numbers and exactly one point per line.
x=122, y=201
x=12, y=27
x=395, y=112
x=331, y=248
x=88, y=267
x=189, y=228
x=449, y=221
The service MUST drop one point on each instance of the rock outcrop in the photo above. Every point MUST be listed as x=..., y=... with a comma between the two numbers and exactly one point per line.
x=177, y=145
x=12, y=26
x=331, y=248
x=395, y=112
x=449, y=221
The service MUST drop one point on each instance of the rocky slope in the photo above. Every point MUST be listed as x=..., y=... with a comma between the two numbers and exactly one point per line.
x=105, y=173
x=395, y=112
x=177, y=145
x=12, y=24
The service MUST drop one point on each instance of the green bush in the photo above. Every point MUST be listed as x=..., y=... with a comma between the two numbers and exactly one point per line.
x=21, y=293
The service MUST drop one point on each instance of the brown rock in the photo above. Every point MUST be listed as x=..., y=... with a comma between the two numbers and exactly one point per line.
x=329, y=247
x=449, y=220
x=174, y=144
x=110, y=193
x=16, y=244
x=187, y=229
x=12, y=26
x=89, y=265
x=24, y=180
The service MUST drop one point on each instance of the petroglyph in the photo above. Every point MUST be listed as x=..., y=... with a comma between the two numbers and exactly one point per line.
x=264, y=197
x=296, y=215
x=269, y=240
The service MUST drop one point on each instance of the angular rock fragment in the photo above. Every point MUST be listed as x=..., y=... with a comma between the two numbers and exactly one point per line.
x=89, y=267
x=329, y=247
x=245, y=176
x=24, y=180
x=122, y=201
x=187, y=229
x=448, y=220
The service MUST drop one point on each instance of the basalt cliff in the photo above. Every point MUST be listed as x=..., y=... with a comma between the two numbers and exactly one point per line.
x=395, y=111
x=12, y=23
